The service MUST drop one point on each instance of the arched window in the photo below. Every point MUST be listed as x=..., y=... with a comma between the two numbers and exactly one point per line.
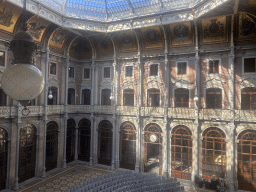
x=248, y=98
x=3, y=158
x=71, y=96
x=105, y=137
x=71, y=139
x=53, y=101
x=84, y=140
x=153, y=97
x=27, y=152
x=128, y=97
x=127, y=146
x=105, y=97
x=181, y=97
x=51, y=145
x=246, y=153
x=153, y=148
x=213, y=153
x=2, y=98
x=181, y=153
x=213, y=98
x=86, y=97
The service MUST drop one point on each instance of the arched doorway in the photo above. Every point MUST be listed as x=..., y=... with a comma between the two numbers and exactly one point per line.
x=246, y=155
x=27, y=152
x=127, y=146
x=153, y=149
x=3, y=157
x=181, y=150
x=51, y=145
x=105, y=142
x=84, y=140
x=213, y=153
x=71, y=139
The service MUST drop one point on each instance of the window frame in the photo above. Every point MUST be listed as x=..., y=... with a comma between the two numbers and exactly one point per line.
x=222, y=98
x=101, y=97
x=5, y=58
x=208, y=66
x=132, y=71
x=177, y=68
x=133, y=97
x=149, y=70
x=71, y=98
x=55, y=69
x=69, y=71
x=110, y=72
x=248, y=73
x=147, y=102
x=81, y=93
x=89, y=73
x=174, y=97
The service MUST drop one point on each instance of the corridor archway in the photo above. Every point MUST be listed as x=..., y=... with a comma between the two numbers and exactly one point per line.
x=213, y=153
x=3, y=157
x=27, y=152
x=71, y=140
x=105, y=136
x=51, y=145
x=127, y=146
x=246, y=155
x=153, y=149
x=84, y=140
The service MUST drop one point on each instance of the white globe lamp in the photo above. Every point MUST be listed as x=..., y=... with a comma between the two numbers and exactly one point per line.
x=50, y=96
x=22, y=81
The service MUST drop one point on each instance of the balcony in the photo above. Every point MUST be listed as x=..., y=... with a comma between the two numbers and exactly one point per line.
x=126, y=110
x=152, y=111
x=181, y=113
x=215, y=114
x=245, y=115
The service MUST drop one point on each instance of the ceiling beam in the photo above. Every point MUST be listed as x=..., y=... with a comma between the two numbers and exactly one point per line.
x=106, y=9
x=130, y=5
x=161, y=4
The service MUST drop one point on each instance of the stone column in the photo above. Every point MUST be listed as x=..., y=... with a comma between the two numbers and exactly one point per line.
x=76, y=143
x=113, y=143
x=93, y=95
x=92, y=139
x=45, y=112
x=170, y=156
x=232, y=107
x=195, y=138
x=65, y=111
x=18, y=126
x=166, y=105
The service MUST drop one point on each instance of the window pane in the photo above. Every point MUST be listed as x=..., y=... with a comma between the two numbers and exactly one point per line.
x=86, y=96
x=2, y=98
x=87, y=73
x=106, y=72
x=153, y=70
x=249, y=65
x=128, y=71
x=2, y=58
x=71, y=72
x=182, y=68
x=105, y=97
x=153, y=98
x=128, y=97
x=53, y=68
x=71, y=96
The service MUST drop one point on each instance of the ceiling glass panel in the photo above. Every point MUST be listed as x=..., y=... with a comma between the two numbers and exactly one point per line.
x=113, y=10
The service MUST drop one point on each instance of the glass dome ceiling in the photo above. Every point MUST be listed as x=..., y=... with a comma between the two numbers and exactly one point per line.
x=114, y=10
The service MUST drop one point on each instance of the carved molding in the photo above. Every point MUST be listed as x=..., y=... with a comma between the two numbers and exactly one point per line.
x=53, y=82
x=128, y=85
x=153, y=84
x=247, y=82
x=213, y=83
x=105, y=85
x=181, y=83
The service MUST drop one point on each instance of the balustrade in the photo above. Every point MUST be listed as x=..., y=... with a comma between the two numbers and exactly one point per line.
x=179, y=113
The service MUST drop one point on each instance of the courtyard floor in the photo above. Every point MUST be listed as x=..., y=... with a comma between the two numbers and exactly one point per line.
x=60, y=180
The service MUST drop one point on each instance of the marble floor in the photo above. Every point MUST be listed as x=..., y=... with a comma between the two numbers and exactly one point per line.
x=60, y=180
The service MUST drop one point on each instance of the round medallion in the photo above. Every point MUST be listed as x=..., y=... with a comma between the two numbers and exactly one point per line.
x=153, y=138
